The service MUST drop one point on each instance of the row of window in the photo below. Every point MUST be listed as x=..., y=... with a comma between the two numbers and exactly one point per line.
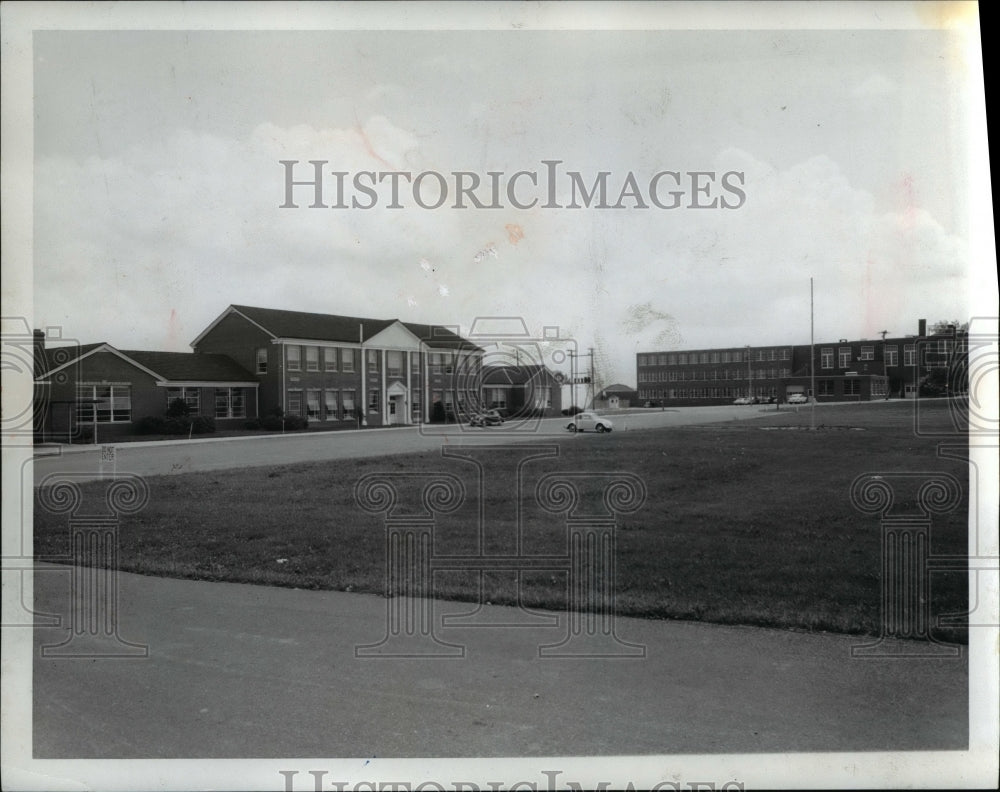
x=713, y=374
x=937, y=354
x=844, y=356
x=229, y=402
x=342, y=359
x=315, y=357
x=703, y=393
x=824, y=387
x=733, y=356
x=326, y=404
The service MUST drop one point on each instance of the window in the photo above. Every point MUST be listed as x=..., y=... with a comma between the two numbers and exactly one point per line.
x=230, y=403
x=772, y=354
x=347, y=360
x=892, y=355
x=703, y=357
x=449, y=362
x=415, y=404
x=852, y=387
x=104, y=403
x=312, y=404
x=826, y=358
x=190, y=397
x=867, y=352
x=909, y=354
x=671, y=360
x=312, y=358
x=825, y=387
x=497, y=397
x=394, y=363
x=415, y=364
x=372, y=360
x=373, y=402
x=682, y=359
x=330, y=405
x=330, y=358
x=349, y=409
x=262, y=360
x=294, y=402
x=844, y=357
x=761, y=354
x=294, y=354
x=786, y=354
x=714, y=357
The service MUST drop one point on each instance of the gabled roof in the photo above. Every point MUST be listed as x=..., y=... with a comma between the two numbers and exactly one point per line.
x=331, y=327
x=618, y=388
x=56, y=357
x=191, y=366
x=164, y=366
x=516, y=375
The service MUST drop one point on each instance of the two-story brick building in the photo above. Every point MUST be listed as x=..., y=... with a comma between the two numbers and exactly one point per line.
x=337, y=371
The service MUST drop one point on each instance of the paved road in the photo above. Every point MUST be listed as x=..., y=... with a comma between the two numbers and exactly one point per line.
x=240, y=671
x=183, y=456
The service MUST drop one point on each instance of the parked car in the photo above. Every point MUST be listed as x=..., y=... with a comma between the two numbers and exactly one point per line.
x=590, y=421
x=486, y=418
x=743, y=400
x=798, y=398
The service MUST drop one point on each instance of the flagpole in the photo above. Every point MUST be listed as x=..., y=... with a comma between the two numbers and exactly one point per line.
x=812, y=359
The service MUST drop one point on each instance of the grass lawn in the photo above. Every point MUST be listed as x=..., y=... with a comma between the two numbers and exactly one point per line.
x=746, y=522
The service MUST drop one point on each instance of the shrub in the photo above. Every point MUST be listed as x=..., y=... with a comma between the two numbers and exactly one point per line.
x=150, y=425
x=178, y=409
x=252, y=424
x=202, y=424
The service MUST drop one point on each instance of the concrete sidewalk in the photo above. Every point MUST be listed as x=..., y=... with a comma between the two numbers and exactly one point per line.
x=252, y=671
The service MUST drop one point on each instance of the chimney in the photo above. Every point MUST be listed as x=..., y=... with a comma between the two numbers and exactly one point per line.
x=922, y=328
x=38, y=352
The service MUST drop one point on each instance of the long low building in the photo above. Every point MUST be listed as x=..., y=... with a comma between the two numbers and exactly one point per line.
x=843, y=371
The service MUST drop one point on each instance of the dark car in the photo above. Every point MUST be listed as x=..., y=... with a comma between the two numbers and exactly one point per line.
x=487, y=418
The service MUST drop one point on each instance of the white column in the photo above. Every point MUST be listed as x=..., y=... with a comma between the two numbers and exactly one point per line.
x=383, y=395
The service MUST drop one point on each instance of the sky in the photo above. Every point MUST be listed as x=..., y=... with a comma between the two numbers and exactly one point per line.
x=158, y=184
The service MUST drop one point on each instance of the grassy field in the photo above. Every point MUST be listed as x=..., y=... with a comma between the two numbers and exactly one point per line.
x=746, y=522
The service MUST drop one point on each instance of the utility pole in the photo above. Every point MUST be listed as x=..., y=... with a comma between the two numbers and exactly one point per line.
x=812, y=359
x=575, y=372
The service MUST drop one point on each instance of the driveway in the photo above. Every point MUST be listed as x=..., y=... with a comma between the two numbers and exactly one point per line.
x=184, y=456
x=252, y=671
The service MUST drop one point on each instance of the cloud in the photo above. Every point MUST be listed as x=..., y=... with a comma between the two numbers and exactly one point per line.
x=146, y=248
x=875, y=86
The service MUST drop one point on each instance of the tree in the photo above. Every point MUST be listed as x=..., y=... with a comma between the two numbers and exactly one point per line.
x=944, y=327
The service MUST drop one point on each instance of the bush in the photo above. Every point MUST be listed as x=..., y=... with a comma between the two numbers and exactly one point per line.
x=252, y=424
x=150, y=425
x=202, y=424
x=178, y=409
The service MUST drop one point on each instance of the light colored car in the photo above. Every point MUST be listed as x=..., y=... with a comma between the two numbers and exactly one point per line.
x=588, y=421
x=798, y=398
x=743, y=400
